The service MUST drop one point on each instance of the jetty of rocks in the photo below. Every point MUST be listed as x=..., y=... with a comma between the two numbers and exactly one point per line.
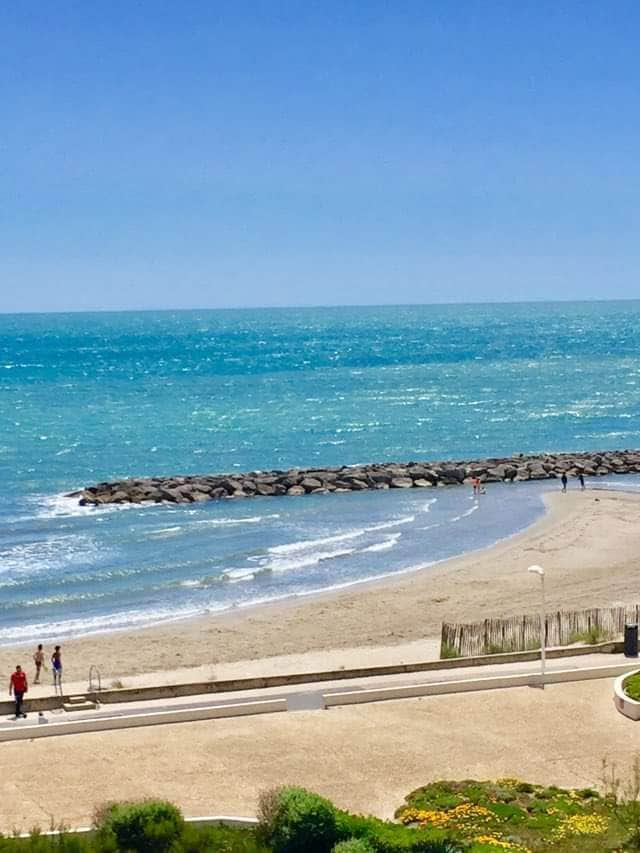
x=355, y=478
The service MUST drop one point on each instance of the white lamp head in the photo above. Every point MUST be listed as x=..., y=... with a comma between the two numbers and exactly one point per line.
x=537, y=570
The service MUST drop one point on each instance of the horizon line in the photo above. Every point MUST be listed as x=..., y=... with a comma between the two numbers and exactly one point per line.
x=308, y=307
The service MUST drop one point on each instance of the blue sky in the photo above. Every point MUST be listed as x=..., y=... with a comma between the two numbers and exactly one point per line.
x=213, y=154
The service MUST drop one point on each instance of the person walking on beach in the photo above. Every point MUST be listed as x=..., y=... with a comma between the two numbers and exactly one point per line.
x=56, y=663
x=38, y=659
x=581, y=479
x=564, y=481
x=18, y=687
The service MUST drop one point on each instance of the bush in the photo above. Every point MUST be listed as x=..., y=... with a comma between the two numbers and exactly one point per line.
x=216, y=839
x=591, y=636
x=385, y=837
x=353, y=845
x=147, y=827
x=293, y=820
x=393, y=838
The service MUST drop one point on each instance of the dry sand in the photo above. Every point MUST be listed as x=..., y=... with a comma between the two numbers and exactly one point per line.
x=588, y=542
x=365, y=758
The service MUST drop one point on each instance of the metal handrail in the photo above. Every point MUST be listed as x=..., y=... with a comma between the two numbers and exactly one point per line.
x=91, y=688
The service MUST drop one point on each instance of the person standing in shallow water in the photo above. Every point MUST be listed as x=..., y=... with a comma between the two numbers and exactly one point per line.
x=563, y=479
x=581, y=479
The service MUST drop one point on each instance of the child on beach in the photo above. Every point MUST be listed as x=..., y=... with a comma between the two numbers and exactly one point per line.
x=56, y=663
x=38, y=659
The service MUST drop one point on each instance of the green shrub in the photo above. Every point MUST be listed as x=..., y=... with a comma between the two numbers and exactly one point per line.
x=146, y=827
x=590, y=637
x=293, y=820
x=66, y=842
x=219, y=839
x=393, y=838
x=385, y=837
x=353, y=845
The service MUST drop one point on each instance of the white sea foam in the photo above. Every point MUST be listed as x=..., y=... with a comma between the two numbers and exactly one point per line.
x=390, y=542
x=46, y=631
x=61, y=506
x=302, y=562
x=427, y=506
x=247, y=519
x=385, y=525
x=165, y=532
x=26, y=558
x=310, y=544
x=465, y=514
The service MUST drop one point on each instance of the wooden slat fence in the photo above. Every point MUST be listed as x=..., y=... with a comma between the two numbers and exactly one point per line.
x=522, y=633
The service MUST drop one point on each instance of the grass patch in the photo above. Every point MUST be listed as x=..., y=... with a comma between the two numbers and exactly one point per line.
x=447, y=652
x=632, y=687
x=591, y=637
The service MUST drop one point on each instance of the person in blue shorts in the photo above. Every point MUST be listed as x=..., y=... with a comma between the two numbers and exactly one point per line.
x=56, y=665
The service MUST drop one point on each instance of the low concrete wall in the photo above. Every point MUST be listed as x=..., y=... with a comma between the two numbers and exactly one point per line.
x=355, y=697
x=107, y=723
x=207, y=820
x=200, y=688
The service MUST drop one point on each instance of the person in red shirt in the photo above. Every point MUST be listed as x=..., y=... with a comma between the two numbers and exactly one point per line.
x=18, y=687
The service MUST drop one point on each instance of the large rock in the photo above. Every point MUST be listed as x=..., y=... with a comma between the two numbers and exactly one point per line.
x=401, y=483
x=265, y=489
x=311, y=483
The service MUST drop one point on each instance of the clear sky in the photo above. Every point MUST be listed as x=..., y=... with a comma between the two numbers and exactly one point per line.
x=213, y=154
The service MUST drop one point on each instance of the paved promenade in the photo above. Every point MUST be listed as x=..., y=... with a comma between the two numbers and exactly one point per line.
x=364, y=757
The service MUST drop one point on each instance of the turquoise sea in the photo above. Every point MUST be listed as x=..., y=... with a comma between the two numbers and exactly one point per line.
x=89, y=397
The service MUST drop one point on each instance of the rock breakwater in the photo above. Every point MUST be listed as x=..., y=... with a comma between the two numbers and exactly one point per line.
x=390, y=475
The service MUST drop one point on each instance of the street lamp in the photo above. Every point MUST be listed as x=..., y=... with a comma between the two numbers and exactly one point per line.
x=538, y=570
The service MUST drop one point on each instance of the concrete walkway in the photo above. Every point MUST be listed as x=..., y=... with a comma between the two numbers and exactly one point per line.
x=309, y=696
x=365, y=757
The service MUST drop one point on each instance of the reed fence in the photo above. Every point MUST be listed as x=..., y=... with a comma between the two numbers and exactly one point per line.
x=522, y=633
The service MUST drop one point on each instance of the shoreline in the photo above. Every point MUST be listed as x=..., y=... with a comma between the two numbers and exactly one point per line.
x=587, y=541
x=286, y=599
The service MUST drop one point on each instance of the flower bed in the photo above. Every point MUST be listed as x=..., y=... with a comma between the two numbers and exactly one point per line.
x=513, y=815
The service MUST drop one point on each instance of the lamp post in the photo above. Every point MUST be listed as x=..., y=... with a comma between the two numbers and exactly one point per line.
x=538, y=570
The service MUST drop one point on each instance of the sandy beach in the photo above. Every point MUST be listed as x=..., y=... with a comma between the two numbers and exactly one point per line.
x=588, y=543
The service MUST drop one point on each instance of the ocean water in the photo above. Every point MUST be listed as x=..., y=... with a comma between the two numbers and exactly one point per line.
x=88, y=397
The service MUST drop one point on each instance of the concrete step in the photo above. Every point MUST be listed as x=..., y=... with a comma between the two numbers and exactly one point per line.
x=79, y=703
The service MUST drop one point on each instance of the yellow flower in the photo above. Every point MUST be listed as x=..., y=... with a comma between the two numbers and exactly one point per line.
x=581, y=824
x=500, y=843
x=508, y=782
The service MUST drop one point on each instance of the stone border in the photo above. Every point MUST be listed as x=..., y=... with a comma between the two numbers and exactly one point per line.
x=350, y=478
x=206, y=820
x=625, y=704
x=54, y=728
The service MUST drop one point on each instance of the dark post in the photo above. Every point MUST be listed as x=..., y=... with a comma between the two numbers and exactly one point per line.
x=631, y=641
